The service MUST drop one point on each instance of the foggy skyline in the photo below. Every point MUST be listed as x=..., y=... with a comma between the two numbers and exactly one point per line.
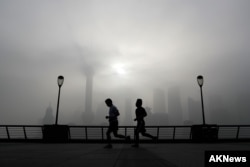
x=132, y=48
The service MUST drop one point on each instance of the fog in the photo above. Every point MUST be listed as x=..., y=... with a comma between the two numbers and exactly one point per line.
x=124, y=50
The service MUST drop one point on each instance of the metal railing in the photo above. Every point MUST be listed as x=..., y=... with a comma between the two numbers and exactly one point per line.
x=98, y=133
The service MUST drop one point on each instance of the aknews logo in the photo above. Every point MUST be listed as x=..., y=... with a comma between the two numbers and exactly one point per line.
x=227, y=158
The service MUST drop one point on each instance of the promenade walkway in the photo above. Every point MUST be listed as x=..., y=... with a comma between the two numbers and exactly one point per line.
x=121, y=155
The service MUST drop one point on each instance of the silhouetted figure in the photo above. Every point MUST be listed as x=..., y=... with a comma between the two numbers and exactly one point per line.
x=140, y=113
x=113, y=123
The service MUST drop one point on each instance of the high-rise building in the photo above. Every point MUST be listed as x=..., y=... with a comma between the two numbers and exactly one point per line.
x=174, y=106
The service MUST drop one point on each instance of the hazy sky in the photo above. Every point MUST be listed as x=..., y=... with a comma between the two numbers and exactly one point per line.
x=132, y=47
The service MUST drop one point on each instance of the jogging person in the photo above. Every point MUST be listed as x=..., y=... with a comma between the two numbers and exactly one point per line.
x=140, y=113
x=113, y=123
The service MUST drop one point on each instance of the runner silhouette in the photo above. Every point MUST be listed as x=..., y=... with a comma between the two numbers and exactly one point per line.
x=140, y=113
x=113, y=123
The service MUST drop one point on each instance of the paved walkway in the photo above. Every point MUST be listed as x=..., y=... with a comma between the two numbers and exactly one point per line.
x=122, y=155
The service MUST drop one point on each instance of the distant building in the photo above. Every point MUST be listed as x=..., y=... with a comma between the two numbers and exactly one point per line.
x=174, y=106
x=159, y=111
x=159, y=105
x=48, y=118
x=218, y=114
x=194, y=111
x=243, y=109
x=88, y=115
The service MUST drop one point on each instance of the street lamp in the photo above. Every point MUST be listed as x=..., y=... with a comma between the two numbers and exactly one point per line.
x=60, y=80
x=200, y=81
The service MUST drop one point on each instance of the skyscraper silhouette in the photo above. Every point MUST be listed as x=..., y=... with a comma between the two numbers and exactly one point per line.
x=160, y=116
x=174, y=106
x=88, y=115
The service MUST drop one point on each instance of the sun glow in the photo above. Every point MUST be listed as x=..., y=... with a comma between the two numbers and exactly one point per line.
x=119, y=69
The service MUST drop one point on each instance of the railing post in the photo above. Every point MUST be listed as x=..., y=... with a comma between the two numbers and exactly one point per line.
x=158, y=128
x=174, y=133
x=125, y=131
x=42, y=128
x=86, y=133
x=69, y=134
x=190, y=135
x=8, y=134
x=102, y=134
x=24, y=132
x=238, y=131
x=134, y=134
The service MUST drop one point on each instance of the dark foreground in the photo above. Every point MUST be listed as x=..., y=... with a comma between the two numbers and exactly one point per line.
x=122, y=155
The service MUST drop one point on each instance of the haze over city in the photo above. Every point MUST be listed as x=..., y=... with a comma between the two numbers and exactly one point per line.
x=124, y=50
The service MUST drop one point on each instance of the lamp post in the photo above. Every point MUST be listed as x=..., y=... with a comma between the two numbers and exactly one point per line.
x=200, y=81
x=60, y=80
x=56, y=133
x=204, y=132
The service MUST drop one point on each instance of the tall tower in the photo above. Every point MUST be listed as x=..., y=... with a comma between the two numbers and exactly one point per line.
x=89, y=93
x=194, y=110
x=160, y=115
x=159, y=105
x=88, y=115
x=174, y=106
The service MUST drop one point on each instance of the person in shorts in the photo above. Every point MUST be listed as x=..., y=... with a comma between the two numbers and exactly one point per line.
x=140, y=113
x=113, y=123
